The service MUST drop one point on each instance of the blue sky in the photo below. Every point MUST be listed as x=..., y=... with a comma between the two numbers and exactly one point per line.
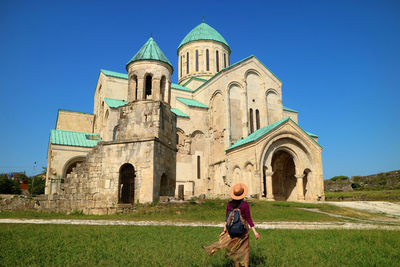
x=339, y=62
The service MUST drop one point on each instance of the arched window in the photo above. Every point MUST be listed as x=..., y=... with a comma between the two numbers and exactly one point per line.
x=207, y=60
x=251, y=121
x=187, y=62
x=224, y=60
x=257, y=119
x=197, y=60
x=163, y=84
x=198, y=167
x=148, y=86
x=136, y=86
x=181, y=66
x=217, y=60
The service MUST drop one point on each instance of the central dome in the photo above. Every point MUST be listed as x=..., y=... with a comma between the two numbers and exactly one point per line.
x=204, y=32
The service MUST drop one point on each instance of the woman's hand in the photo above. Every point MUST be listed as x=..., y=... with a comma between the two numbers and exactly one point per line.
x=257, y=235
x=222, y=233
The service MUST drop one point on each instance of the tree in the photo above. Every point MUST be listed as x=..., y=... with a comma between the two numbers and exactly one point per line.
x=38, y=186
x=8, y=186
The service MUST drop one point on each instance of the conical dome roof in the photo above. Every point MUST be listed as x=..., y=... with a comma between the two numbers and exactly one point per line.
x=150, y=51
x=204, y=32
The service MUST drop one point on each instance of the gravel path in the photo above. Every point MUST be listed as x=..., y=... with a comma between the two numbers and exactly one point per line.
x=263, y=225
x=388, y=208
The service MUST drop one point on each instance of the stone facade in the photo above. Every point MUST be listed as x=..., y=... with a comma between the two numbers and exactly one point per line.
x=222, y=124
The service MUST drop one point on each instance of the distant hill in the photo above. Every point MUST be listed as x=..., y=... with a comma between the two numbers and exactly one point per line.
x=379, y=181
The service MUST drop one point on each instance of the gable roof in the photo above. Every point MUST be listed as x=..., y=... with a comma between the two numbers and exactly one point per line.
x=180, y=87
x=231, y=66
x=69, y=138
x=150, y=51
x=263, y=131
x=194, y=78
x=290, y=110
x=191, y=102
x=179, y=113
x=114, y=74
x=114, y=103
x=203, y=31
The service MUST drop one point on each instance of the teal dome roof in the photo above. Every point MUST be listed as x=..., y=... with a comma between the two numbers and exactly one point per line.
x=150, y=51
x=204, y=32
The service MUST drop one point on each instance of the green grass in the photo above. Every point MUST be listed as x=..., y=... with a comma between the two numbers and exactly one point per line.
x=364, y=195
x=209, y=211
x=72, y=245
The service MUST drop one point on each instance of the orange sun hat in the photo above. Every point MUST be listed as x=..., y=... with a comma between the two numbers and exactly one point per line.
x=238, y=191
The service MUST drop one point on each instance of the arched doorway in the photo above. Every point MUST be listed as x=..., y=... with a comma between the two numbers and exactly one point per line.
x=283, y=178
x=126, y=192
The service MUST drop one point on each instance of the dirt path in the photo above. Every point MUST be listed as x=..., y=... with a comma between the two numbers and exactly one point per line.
x=263, y=225
x=388, y=208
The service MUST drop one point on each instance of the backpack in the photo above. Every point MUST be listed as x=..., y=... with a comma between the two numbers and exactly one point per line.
x=235, y=223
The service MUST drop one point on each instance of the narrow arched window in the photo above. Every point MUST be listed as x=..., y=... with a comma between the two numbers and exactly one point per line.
x=224, y=60
x=217, y=60
x=207, y=60
x=198, y=167
x=187, y=62
x=136, y=96
x=163, y=88
x=251, y=121
x=257, y=119
x=148, y=86
x=181, y=66
x=197, y=60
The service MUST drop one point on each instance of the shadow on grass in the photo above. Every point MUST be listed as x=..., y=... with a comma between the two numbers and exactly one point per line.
x=256, y=259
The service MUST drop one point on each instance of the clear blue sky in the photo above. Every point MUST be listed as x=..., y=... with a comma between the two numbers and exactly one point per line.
x=339, y=62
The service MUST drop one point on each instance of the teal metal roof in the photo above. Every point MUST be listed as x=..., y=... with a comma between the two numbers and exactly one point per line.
x=180, y=87
x=204, y=31
x=114, y=103
x=115, y=74
x=261, y=132
x=191, y=102
x=150, y=51
x=311, y=134
x=257, y=134
x=179, y=113
x=195, y=78
x=289, y=109
x=68, y=138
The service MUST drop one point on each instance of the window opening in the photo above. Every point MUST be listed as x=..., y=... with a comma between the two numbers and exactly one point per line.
x=197, y=60
x=148, y=86
x=257, y=119
x=198, y=167
x=224, y=60
x=207, y=60
x=217, y=60
x=181, y=66
x=251, y=121
x=187, y=62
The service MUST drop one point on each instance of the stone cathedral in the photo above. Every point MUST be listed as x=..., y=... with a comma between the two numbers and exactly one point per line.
x=149, y=139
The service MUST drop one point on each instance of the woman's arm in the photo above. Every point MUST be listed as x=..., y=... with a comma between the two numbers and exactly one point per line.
x=257, y=235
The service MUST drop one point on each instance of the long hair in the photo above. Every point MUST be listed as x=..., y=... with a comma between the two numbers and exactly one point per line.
x=235, y=203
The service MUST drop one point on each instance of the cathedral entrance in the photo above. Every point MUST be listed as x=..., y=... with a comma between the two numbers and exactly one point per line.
x=283, y=178
x=126, y=192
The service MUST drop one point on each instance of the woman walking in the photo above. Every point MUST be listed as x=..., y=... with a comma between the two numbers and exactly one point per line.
x=236, y=247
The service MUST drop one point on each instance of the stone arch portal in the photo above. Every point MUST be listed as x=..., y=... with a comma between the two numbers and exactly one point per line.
x=126, y=185
x=283, y=177
x=70, y=165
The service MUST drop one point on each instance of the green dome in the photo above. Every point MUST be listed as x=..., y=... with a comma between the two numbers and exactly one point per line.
x=150, y=51
x=204, y=32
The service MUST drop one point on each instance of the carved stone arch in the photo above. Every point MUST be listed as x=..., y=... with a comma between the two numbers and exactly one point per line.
x=70, y=165
x=235, y=117
x=249, y=178
x=234, y=83
x=196, y=133
x=253, y=71
x=236, y=175
x=180, y=137
x=271, y=90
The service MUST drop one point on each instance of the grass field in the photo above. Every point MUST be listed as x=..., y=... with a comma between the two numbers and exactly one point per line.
x=71, y=245
x=387, y=195
x=209, y=211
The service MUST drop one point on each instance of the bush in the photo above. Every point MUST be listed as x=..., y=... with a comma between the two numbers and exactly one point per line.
x=355, y=185
x=9, y=186
x=339, y=178
x=38, y=186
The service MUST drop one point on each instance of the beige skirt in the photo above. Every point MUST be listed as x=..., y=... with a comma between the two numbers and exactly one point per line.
x=236, y=248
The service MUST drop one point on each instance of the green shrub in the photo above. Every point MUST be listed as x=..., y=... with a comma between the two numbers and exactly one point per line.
x=355, y=185
x=9, y=186
x=38, y=186
x=340, y=178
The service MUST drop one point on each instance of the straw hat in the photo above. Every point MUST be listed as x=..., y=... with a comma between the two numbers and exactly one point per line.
x=238, y=191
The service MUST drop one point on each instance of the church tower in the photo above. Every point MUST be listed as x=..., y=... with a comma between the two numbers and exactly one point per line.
x=202, y=53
